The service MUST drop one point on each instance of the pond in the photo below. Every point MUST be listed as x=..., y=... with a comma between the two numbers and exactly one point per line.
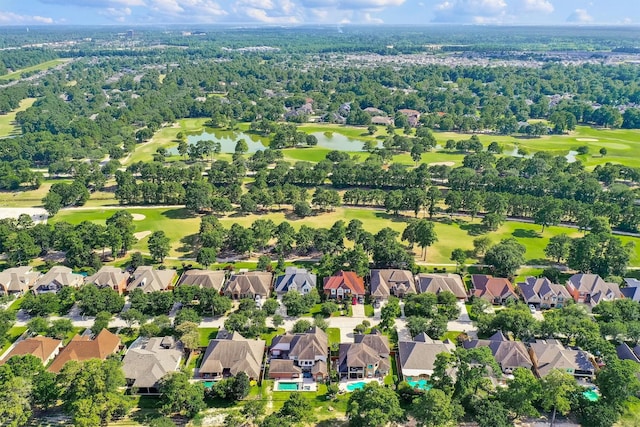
x=228, y=140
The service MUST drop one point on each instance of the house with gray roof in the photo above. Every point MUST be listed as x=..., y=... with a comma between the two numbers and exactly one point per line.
x=548, y=355
x=417, y=357
x=625, y=352
x=384, y=283
x=509, y=354
x=17, y=280
x=540, y=292
x=632, y=289
x=56, y=278
x=295, y=279
x=309, y=351
x=149, y=279
x=436, y=283
x=249, y=284
x=148, y=360
x=210, y=279
x=111, y=277
x=229, y=354
x=591, y=289
x=366, y=357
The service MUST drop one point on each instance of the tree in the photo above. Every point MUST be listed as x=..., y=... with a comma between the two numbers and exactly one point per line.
x=329, y=307
x=459, y=256
x=505, y=257
x=296, y=409
x=295, y=303
x=301, y=326
x=490, y=413
x=277, y=320
x=557, y=388
x=390, y=312
x=603, y=151
x=549, y=213
x=178, y=395
x=435, y=409
x=558, y=247
x=492, y=221
x=207, y=256
x=132, y=316
x=15, y=406
x=38, y=326
x=618, y=381
x=60, y=328
x=481, y=244
x=425, y=235
x=159, y=245
x=101, y=322
x=270, y=306
x=522, y=393
x=373, y=406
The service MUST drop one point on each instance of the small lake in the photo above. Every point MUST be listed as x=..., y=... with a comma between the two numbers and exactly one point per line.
x=228, y=140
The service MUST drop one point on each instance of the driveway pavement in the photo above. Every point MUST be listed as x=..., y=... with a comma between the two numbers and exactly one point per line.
x=463, y=323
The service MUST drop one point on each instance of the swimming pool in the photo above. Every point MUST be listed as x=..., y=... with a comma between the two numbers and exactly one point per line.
x=591, y=395
x=287, y=386
x=356, y=386
x=208, y=384
x=420, y=384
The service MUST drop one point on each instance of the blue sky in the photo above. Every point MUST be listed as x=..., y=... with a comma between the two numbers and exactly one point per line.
x=132, y=12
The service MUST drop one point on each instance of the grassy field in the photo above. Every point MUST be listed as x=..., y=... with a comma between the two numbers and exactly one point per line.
x=179, y=224
x=40, y=67
x=207, y=334
x=334, y=335
x=7, y=121
x=13, y=334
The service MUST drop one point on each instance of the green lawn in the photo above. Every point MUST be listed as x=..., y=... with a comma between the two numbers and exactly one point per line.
x=207, y=334
x=13, y=334
x=15, y=305
x=391, y=378
x=7, y=121
x=269, y=336
x=334, y=335
x=368, y=310
x=40, y=67
x=314, y=311
x=73, y=333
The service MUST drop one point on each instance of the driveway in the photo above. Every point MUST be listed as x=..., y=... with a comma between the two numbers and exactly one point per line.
x=358, y=311
x=463, y=323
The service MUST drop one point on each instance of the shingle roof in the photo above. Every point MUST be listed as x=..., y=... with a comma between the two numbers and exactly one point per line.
x=40, y=347
x=57, y=277
x=252, y=282
x=82, y=348
x=632, y=290
x=283, y=366
x=507, y=353
x=17, y=279
x=536, y=289
x=345, y=279
x=211, y=279
x=295, y=278
x=236, y=355
x=436, y=283
x=309, y=345
x=420, y=356
x=369, y=349
x=625, y=352
x=596, y=287
x=108, y=276
x=489, y=287
x=386, y=282
x=147, y=361
x=551, y=354
x=151, y=280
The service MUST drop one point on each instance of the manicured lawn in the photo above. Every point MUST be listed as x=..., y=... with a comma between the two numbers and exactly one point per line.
x=393, y=375
x=207, y=334
x=7, y=121
x=29, y=198
x=269, y=336
x=15, y=305
x=315, y=310
x=317, y=400
x=13, y=334
x=40, y=67
x=334, y=335
x=368, y=310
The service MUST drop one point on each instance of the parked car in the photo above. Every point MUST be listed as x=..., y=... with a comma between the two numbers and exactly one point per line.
x=532, y=308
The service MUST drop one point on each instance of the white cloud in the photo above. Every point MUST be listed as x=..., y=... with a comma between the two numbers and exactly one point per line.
x=97, y=3
x=580, y=16
x=262, y=16
x=476, y=11
x=368, y=4
x=10, y=18
x=543, y=6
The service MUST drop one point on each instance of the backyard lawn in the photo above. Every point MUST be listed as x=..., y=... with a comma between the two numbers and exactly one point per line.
x=207, y=334
x=13, y=334
x=334, y=335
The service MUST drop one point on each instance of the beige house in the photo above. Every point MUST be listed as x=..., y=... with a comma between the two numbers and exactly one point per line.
x=417, y=358
x=509, y=354
x=150, y=359
x=366, y=357
x=151, y=280
x=111, y=277
x=548, y=355
x=249, y=285
x=436, y=283
x=540, y=292
x=56, y=278
x=210, y=279
x=17, y=280
x=309, y=351
x=591, y=289
x=391, y=282
x=230, y=354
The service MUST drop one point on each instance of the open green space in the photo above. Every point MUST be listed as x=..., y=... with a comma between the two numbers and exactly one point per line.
x=207, y=334
x=7, y=121
x=269, y=336
x=29, y=198
x=178, y=224
x=35, y=68
x=334, y=335
x=13, y=334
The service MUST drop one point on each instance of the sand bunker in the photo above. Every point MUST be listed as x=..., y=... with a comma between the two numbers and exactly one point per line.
x=442, y=164
x=141, y=234
x=138, y=217
x=587, y=139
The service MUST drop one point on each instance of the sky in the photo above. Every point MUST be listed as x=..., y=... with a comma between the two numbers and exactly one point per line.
x=297, y=12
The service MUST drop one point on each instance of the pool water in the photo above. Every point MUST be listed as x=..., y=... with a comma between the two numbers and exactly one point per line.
x=288, y=386
x=591, y=395
x=208, y=384
x=420, y=384
x=356, y=386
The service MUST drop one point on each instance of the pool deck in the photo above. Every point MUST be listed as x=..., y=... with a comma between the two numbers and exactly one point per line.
x=307, y=384
x=343, y=384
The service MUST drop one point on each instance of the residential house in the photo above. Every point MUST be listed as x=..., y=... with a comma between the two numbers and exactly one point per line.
x=417, y=358
x=391, y=282
x=149, y=279
x=366, y=357
x=374, y=111
x=381, y=120
x=495, y=290
x=17, y=280
x=249, y=285
x=295, y=279
x=344, y=284
x=413, y=116
x=548, y=355
x=56, y=278
x=540, y=292
x=509, y=354
x=591, y=289
x=210, y=279
x=632, y=289
x=82, y=348
x=111, y=277
x=44, y=348
x=229, y=354
x=436, y=283
x=309, y=352
x=148, y=360
x=627, y=353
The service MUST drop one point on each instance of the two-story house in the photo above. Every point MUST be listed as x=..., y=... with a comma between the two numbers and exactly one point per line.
x=391, y=282
x=300, y=355
x=509, y=354
x=436, y=283
x=540, y=292
x=109, y=277
x=295, y=279
x=344, y=284
x=56, y=278
x=249, y=285
x=366, y=357
x=496, y=290
x=591, y=289
x=231, y=353
x=17, y=280
x=548, y=355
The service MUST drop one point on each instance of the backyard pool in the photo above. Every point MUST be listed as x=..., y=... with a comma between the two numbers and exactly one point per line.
x=287, y=386
x=591, y=395
x=356, y=386
x=208, y=384
x=420, y=384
